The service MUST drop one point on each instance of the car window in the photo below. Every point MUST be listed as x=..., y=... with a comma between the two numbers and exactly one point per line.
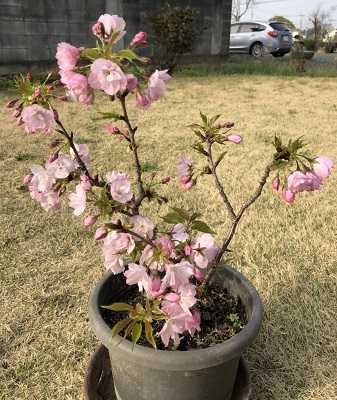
x=258, y=28
x=279, y=27
x=235, y=28
x=245, y=28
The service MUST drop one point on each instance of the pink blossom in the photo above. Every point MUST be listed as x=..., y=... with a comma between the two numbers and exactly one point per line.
x=36, y=117
x=192, y=322
x=155, y=287
x=107, y=76
x=198, y=275
x=300, y=182
x=113, y=24
x=67, y=56
x=132, y=82
x=184, y=167
x=137, y=274
x=142, y=100
x=288, y=196
x=166, y=245
x=179, y=233
x=237, y=139
x=49, y=200
x=115, y=245
x=85, y=182
x=120, y=187
x=100, y=233
x=152, y=260
x=90, y=220
x=276, y=183
x=77, y=85
x=204, y=250
x=43, y=179
x=62, y=166
x=177, y=275
x=142, y=226
x=171, y=330
x=156, y=85
x=322, y=167
x=77, y=200
x=140, y=39
x=180, y=303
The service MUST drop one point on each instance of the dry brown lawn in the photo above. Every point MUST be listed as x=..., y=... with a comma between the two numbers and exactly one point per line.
x=49, y=262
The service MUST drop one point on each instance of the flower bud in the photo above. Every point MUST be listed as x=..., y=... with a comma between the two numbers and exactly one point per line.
x=186, y=182
x=37, y=92
x=166, y=180
x=132, y=82
x=187, y=250
x=50, y=87
x=288, y=196
x=112, y=129
x=27, y=179
x=237, y=139
x=140, y=39
x=29, y=76
x=90, y=220
x=56, y=114
x=276, y=183
x=11, y=103
x=100, y=233
x=198, y=275
x=142, y=100
x=85, y=182
x=52, y=158
x=97, y=29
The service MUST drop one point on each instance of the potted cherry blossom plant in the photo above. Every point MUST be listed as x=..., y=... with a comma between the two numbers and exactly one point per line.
x=174, y=318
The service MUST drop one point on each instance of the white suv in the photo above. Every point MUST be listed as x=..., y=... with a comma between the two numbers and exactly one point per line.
x=259, y=38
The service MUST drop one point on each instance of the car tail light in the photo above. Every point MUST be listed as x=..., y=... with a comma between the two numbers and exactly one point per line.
x=272, y=34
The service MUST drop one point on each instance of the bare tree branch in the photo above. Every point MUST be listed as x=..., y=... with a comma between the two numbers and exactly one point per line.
x=240, y=8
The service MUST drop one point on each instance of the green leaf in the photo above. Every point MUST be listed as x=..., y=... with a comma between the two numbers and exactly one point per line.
x=173, y=218
x=119, y=326
x=127, y=54
x=149, y=334
x=136, y=332
x=204, y=118
x=115, y=116
x=91, y=54
x=118, y=307
x=218, y=161
x=214, y=119
x=184, y=214
x=201, y=226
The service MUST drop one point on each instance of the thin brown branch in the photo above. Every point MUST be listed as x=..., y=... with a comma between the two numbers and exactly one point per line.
x=218, y=184
x=132, y=130
x=235, y=224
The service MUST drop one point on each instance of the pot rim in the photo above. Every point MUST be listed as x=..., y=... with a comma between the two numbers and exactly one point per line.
x=181, y=360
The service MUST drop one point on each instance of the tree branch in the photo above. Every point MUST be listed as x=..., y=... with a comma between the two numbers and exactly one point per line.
x=218, y=184
x=235, y=224
x=141, y=191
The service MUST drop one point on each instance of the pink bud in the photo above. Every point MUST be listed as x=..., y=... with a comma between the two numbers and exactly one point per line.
x=90, y=220
x=52, y=158
x=52, y=145
x=132, y=82
x=97, y=29
x=11, y=103
x=27, y=179
x=198, y=275
x=113, y=129
x=229, y=125
x=172, y=297
x=237, y=139
x=276, y=183
x=186, y=182
x=142, y=100
x=166, y=180
x=140, y=39
x=100, y=233
x=56, y=114
x=29, y=76
x=50, y=87
x=288, y=196
x=85, y=182
x=187, y=250
x=37, y=92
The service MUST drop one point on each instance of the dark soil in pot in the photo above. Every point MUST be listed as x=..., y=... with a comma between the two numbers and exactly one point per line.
x=222, y=316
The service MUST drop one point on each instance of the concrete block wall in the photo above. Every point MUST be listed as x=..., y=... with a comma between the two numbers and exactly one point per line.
x=31, y=29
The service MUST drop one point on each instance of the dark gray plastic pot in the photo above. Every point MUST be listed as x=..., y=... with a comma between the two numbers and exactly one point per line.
x=142, y=373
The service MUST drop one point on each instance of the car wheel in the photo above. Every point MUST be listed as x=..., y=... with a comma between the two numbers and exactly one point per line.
x=257, y=50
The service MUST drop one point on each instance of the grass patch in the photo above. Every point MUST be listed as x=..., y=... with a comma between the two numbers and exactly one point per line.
x=50, y=262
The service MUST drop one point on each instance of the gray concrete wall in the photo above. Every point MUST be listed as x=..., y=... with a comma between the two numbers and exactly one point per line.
x=31, y=29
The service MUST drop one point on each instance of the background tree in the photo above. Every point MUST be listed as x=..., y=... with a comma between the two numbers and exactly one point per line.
x=285, y=21
x=240, y=8
x=320, y=24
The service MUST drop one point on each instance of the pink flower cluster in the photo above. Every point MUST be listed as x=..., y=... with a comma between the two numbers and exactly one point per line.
x=36, y=117
x=155, y=90
x=163, y=272
x=308, y=181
